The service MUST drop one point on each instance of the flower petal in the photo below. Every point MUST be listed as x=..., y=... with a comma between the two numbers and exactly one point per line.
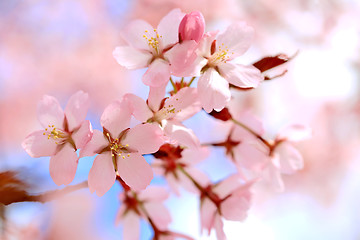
x=237, y=38
x=207, y=214
x=219, y=228
x=116, y=118
x=156, y=95
x=97, y=143
x=241, y=75
x=157, y=74
x=235, y=208
x=144, y=138
x=50, y=113
x=289, y=157
x=63, y=165
x=134, y=34
x=36, y=144
x=249, y=156
x=295, y=133
x=140, y=110
x=102, y=174
x=180, y=134
x=228, y=185
x=131, y=226
x=182, y=57
x=168, y=27
x=159, y=214
x=213, y=91
x=153, y=193
x=83, y=135
x=76, y=109
x=135, y=171
x=271, y=174
x=132, y=58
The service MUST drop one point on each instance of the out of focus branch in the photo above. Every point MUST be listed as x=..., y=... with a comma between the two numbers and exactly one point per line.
x=13, y=190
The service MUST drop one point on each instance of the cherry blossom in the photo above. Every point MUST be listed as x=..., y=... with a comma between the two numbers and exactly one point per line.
x=169, y=113
x=120, y=150
x=192, y=27
x=173, y=162
x=156, y=49
x=145, y=204
x=229, y=199
x=215, y=63
x=64, y=133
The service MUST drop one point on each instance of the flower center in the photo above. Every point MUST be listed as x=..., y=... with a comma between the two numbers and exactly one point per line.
x=117, y=148
x=166, y=112
x=153, y=42
x=56, y=134
x=222, y=55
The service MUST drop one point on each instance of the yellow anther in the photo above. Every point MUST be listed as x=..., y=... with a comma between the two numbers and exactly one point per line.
x=146, y=31
x=123, y=157
x=128, y=155
x=45, y=129
x=44, y=133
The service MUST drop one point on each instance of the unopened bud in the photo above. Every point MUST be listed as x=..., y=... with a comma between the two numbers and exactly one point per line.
x=192, y=27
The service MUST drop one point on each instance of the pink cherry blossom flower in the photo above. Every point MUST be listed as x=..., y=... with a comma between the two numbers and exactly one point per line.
x=215, y=62
x=284, y=157
x=169, y=113
x=155, y=49
x=120, y=150
x=64, y=132
x=171, y=161
x=229, y=199
x=143, y=204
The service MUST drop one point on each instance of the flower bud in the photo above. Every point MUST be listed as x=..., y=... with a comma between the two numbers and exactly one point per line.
x=192, y=27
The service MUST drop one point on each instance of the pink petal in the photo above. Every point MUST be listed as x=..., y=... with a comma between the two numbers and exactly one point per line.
x=157, y=74
x=102, y=174
x=295, y=133
x=240, y=75
x=37, y=144
x=228, y=185
x=197, y=175
x=205, y=44
x=159, y=214
x=272, y=175
x=192, y=156
x=173, y=183
x=63, y=165
x=251, y=121
x=138, y=106
x=181, y=100
x=154, y=193
x=83, y=135
x=76, y=109
x=97, y=143
x=219, y=228
x=50, y=113
x=131, y=226
x=144, y=138
x=169, y=26
x=135, y=171
x=132, y=58
x=156, y=95
x=134, y=34
x=235, y=208
x=250, y=156
x=116, y=118
x=213, y=91
x=207, y=214
x=237, y=38
x=182, y=57
x=289, y=157
x=181, y=134
x=120, y=213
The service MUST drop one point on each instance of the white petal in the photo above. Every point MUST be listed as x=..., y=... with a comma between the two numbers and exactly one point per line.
x=132, y=58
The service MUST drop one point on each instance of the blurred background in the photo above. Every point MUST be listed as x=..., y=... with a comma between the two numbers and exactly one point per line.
x=60, y=47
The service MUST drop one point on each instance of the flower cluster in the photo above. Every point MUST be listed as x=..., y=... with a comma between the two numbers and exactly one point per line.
x=180, y=47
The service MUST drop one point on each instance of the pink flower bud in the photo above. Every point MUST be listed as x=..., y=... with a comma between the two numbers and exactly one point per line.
x=192, y=27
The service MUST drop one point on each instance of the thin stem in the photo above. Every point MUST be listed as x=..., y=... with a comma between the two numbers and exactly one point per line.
x=173, y=85
x=182, y=82
x=254, y=133
x=191, y=81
